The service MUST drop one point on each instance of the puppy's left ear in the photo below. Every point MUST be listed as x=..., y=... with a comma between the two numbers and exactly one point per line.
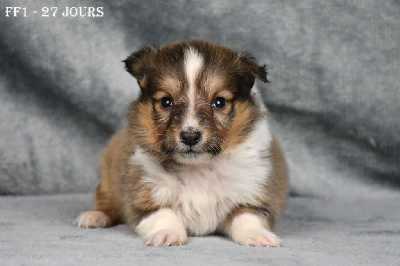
x=138, y=63
x=251, y=70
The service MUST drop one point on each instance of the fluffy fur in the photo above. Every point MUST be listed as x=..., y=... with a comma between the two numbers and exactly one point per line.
x=197, y=156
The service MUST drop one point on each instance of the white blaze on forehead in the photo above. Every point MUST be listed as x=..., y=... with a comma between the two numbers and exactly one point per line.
x=193, y=64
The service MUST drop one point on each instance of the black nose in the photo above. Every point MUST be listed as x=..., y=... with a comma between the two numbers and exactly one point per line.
x=190, y=138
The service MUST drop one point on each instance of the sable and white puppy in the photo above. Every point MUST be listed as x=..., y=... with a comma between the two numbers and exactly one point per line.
x=197, y=156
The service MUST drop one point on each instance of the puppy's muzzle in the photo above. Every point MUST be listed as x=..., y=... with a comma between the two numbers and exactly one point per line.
x=190, y=138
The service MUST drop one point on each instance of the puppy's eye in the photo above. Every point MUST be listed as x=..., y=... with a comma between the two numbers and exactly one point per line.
x=218, y=102
x=166, y=102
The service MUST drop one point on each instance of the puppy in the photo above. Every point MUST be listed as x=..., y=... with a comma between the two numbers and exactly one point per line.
x=197, y=156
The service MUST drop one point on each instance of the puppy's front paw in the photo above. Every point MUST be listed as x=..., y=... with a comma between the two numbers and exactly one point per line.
x=93, y=219
x=257, y=238
x=167, y=237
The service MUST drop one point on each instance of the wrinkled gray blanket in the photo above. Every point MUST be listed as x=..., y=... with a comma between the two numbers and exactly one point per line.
x=37, y=230
x=333, y=99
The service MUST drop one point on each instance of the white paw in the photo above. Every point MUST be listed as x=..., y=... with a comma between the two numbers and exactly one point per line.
x=167, y=237
x=257, y=238
x=92, y=219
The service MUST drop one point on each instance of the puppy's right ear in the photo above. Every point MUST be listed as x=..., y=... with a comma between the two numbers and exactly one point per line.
x=138, y=63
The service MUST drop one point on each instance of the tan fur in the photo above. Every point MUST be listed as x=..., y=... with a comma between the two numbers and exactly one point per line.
x=170, y=85
x=125, y=193
x=214, y=84
x=245, y=114
x=277, y=189
x=151, y=133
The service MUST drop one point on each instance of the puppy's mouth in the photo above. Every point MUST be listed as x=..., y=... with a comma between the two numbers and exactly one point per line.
x=192, y=157
x=195, y=154
x=190, y=153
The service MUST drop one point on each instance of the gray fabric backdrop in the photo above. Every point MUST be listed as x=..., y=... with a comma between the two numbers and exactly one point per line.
x=333, y=100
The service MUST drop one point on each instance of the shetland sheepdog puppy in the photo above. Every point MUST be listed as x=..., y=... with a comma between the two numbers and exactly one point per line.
x=197, y=156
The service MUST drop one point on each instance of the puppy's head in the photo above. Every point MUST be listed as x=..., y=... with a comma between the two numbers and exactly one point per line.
x=195, y=100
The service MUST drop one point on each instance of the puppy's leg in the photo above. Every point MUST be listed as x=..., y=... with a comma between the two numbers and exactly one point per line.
x=104, y=212
x=249, y=228
x=93, y=219
x=162, y=228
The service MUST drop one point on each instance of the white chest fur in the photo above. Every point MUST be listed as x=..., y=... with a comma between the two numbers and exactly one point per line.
x=202, y=195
